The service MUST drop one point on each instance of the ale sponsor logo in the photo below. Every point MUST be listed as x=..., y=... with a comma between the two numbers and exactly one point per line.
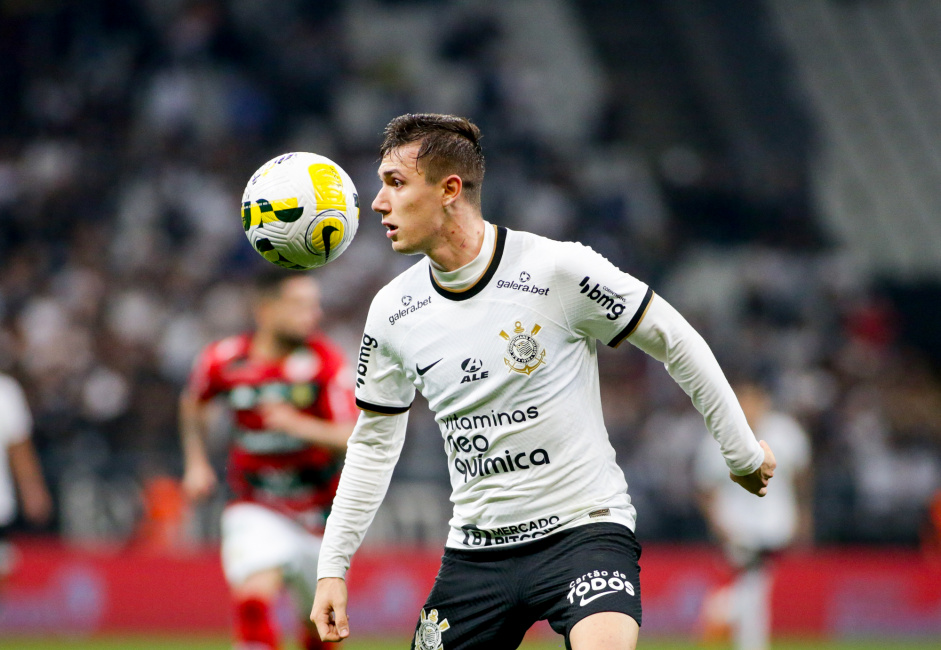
x=473, y=370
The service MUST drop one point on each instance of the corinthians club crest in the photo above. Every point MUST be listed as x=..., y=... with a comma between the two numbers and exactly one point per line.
x=428, y=635
x=523, y=352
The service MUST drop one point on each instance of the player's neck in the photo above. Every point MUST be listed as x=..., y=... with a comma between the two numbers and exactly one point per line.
x=266, y=346
x=460, y=241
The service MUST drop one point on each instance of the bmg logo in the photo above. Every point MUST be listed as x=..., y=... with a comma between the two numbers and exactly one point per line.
x=601, y=295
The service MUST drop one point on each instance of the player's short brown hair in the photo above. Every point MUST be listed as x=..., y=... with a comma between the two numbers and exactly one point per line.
x=267, y=282
x=449, y=145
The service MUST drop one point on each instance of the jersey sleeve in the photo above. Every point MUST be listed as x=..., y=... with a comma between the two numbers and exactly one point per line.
x=381, y=384
x=201, y=383
x=16, y=424
x=599, y=299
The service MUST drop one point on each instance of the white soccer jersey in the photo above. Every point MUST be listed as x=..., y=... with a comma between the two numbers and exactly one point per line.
x=509, y=368
x=771, y=522
x=15, y=426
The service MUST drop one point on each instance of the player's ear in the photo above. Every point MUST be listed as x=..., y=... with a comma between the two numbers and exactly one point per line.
x=451, y=187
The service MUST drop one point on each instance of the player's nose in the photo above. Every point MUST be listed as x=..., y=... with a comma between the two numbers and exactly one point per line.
x=380, y=204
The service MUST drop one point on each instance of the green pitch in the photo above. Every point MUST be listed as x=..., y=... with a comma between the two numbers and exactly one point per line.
x=143, y=643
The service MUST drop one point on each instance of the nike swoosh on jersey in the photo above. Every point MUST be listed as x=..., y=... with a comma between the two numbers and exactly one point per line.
x=585, y=601
x=422, y=371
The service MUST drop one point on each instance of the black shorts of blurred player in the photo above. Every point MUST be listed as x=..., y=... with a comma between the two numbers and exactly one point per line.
x=7, y=555
x=488, y=598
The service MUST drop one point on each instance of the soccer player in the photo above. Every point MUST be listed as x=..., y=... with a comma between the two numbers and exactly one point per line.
x=20, y=472
x=290, y=393
x=498, y=329
x=752, y=532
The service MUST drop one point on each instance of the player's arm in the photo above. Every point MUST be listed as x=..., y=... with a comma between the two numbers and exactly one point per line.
x=199, y=478
x=803, y=486
x=666, y=336
x=30, y=484
x=336, y=408
x=803, y=482
x=281, y=416
x=372, y=453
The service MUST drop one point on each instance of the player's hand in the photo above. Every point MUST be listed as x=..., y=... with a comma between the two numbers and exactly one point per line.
x=757, y=481
x=280, y=416
x=199, y=481
x=329, y=610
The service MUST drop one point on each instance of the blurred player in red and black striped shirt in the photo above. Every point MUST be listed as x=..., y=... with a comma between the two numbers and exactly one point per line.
x=290, y=394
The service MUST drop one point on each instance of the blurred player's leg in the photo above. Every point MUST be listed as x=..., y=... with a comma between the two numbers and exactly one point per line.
x=301, y=578
x=259, y=547
x=255, y=626
x=717, y=615
x=752, y=596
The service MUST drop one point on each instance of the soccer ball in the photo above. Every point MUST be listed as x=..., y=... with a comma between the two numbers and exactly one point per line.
x=300, y=210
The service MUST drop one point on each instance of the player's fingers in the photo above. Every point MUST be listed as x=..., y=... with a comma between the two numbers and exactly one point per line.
x=761, y=483
x=321, y=619
x=342, y=622
x=754, y=483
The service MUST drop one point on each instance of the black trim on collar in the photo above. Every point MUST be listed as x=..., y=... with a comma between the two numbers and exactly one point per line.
x=635, y=321
x=484, y=279
x=381, y=410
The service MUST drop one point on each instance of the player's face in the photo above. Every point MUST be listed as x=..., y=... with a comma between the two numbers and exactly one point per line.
x=411, y=208
x=294, y=312
x=754, y=401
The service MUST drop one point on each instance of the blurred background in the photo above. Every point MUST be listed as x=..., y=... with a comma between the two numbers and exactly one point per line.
x=772, y=168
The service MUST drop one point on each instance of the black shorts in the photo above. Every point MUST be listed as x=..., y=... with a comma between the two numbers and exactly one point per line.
x=7, y=552
x=489, y=598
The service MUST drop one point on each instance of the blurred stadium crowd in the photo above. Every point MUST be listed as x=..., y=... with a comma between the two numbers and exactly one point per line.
x=129, y=127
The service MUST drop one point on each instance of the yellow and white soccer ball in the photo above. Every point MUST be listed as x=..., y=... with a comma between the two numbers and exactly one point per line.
x=300, y=210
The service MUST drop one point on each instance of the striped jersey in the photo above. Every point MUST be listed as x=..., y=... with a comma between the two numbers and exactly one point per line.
x=268, y=467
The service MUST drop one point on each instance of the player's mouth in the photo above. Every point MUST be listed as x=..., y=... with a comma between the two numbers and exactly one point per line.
x=391, y=229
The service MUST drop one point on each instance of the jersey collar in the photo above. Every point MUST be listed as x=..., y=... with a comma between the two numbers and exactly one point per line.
x=485, y=278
